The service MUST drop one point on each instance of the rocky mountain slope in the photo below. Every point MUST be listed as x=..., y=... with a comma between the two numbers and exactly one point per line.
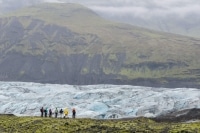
x=68, y=43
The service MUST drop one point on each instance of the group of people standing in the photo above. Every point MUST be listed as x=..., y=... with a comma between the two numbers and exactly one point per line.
x=45, y=112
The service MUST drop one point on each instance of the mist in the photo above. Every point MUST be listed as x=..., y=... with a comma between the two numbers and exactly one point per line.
x=153, y=14
x=120, y=8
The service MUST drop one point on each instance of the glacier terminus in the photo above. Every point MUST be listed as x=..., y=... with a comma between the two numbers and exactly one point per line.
x=95, y=101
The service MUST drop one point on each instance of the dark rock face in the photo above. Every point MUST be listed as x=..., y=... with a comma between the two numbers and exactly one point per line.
x=63, y=69
x=49, y=66
x=11, y=35
x=70, y=70
x=156, y=65
x=180, y=116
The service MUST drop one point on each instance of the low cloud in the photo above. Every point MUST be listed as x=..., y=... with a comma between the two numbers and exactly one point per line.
x=142, y=8
x=148, y=8
x=120, y=8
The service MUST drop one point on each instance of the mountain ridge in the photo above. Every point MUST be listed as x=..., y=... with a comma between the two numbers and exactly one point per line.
x=84, y=48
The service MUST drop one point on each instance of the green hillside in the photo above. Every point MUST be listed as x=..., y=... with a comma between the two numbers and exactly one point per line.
x=12, y=124
x=68, y=43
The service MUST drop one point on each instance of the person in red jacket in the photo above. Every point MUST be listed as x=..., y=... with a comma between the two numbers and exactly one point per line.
x=73, y=113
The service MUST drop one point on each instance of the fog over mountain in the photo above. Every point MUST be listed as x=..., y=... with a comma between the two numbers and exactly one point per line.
x=174, y=16
x=121, y=8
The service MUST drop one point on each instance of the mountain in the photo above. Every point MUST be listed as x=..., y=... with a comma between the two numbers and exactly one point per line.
x=70, y=44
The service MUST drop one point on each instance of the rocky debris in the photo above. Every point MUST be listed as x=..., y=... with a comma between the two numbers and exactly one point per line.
x=180, y=116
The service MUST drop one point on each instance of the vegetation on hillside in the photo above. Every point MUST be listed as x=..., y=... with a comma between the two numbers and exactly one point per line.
x=70, y=39
x=13, y=124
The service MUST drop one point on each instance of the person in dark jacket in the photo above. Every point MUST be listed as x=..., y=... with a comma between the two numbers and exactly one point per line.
x=61, y=113
x=73, y=113
x=42, y=110
x=50, y=112
x=45, y=112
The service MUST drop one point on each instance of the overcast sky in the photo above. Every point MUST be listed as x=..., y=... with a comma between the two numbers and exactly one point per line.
x=136, y=8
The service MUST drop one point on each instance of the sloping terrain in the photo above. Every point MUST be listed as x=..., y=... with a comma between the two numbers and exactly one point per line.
x=68, y=43
x=49, y=125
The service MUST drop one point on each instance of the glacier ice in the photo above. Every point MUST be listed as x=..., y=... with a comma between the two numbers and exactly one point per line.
x=95, y=101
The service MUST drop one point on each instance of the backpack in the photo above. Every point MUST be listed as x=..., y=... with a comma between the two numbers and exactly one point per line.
x=61, y=111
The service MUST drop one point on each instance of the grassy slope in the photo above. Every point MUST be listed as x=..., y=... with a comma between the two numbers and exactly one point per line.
x=140, y=45
x=48, y=125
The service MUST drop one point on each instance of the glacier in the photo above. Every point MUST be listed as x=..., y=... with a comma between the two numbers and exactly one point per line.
x=95, y=101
